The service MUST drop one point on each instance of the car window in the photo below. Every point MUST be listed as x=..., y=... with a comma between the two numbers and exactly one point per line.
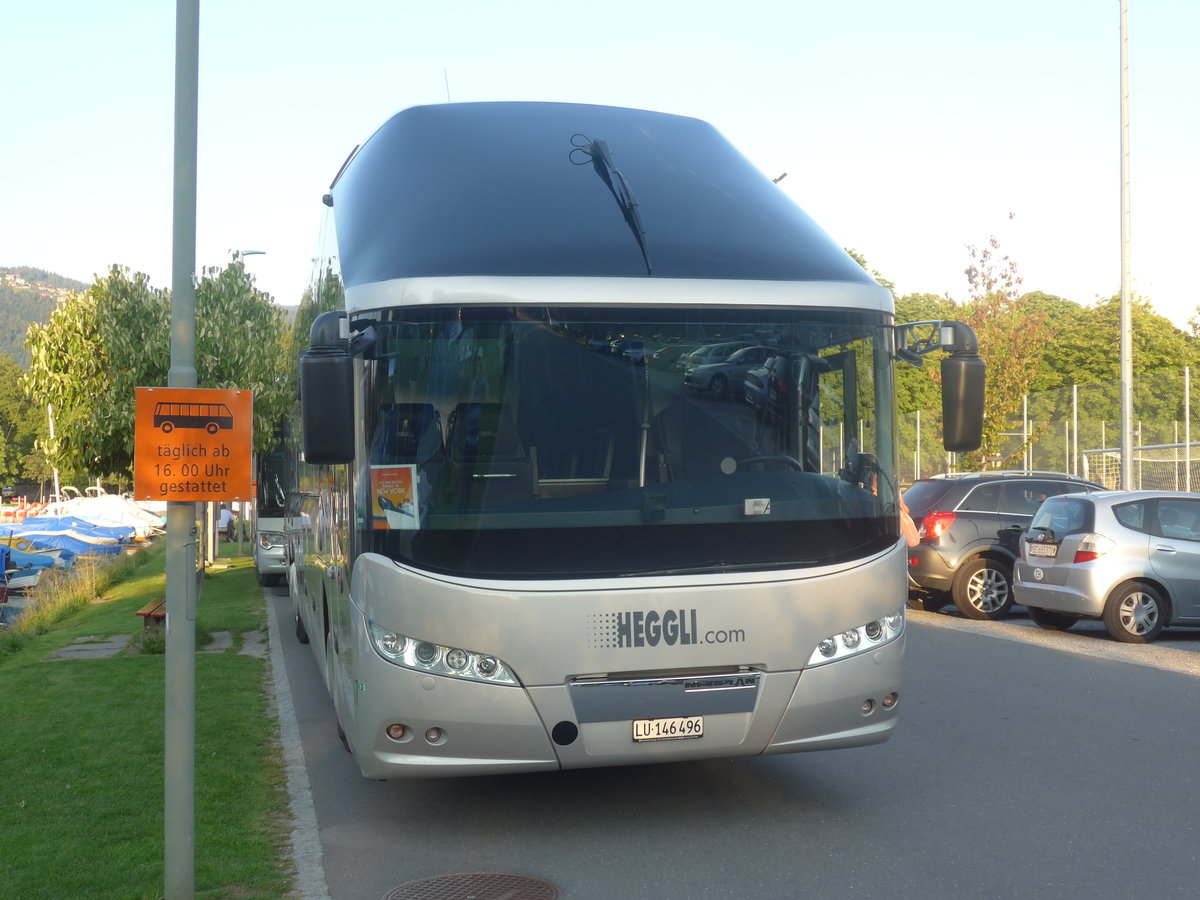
x=983, y=498
x=1024, y=498
x=1054, y=488
x=1064, y=515
x=1132, y=515
x=924, y=495
x=1179, y=519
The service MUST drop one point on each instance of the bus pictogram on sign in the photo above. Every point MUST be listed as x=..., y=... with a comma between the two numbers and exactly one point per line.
x=212, y=417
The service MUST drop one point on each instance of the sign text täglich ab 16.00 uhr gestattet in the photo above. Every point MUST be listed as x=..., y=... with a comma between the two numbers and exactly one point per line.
x=192, y=444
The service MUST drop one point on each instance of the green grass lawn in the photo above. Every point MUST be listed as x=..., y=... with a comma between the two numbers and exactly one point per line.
x=81, y=754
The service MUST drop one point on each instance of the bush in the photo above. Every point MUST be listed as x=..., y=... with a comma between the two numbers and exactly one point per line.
x=61, y=592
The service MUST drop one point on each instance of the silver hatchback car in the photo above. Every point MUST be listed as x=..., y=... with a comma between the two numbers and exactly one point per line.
x=1130, y=558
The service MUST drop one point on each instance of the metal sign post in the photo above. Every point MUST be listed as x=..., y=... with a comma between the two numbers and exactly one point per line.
x=179, y=775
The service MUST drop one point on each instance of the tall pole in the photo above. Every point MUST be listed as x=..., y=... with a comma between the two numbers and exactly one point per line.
x=1126, y=314
x=50, y=417
x=179, y=775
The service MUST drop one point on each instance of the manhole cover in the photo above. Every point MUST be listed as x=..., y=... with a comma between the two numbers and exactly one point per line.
x=483, y=886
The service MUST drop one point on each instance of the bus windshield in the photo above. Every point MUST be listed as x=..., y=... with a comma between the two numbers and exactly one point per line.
x=275, y=473
x=545, y=442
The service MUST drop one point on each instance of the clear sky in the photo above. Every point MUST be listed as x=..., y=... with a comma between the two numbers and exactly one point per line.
x=908, y=129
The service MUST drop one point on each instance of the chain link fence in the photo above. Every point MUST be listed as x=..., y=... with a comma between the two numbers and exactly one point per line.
x=1077, y=430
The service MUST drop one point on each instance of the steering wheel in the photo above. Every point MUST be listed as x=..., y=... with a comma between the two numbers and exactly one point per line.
x=790, y=461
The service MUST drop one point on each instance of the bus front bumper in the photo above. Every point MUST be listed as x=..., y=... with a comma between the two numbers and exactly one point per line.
x=442, y=726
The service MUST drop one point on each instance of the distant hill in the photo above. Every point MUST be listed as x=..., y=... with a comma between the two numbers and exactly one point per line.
x=28, y=295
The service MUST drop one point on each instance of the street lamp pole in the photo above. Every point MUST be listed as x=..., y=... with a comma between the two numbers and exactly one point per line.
x=242, y=254
x=1126, y=310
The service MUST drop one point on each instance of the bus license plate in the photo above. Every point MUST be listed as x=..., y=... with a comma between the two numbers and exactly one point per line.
x=1043, y=550
x=673, y=729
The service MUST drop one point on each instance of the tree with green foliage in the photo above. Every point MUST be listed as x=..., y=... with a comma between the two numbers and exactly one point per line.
x=919, y=388
x=18, y=423
x=1014, y=334
x=102, y=343
x=325, y=295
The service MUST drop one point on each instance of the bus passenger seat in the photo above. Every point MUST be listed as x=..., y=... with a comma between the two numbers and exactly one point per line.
x=408, y=433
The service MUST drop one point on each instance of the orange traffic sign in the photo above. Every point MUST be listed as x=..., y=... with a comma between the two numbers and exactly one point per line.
x=192, y=444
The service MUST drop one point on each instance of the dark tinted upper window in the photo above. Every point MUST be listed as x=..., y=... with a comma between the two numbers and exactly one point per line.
x=1132, y=515
x=1179, y=519
x=984, y=498
x=425, y=196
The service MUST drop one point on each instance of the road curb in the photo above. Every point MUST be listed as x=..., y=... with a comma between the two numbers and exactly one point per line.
x=305, y=839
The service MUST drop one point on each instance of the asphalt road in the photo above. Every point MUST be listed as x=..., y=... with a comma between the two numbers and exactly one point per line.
x=1026, y=764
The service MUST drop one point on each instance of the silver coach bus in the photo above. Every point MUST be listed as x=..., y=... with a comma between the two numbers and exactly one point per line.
x=520, y=541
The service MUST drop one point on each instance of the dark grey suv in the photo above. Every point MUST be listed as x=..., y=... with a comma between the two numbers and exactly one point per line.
x=970, y=525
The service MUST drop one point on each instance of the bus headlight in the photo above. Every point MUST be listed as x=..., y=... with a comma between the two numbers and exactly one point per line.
x=269, y=539
x=426, y=656
x=854, y=641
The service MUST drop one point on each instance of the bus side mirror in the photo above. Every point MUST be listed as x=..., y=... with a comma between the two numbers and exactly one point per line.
x=327, y=393
x=963, y=376
x=962, y=402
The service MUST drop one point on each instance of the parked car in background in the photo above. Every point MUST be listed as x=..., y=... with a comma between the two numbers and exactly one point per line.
x=670, y=354
x=1128, y=558
x=629, y=348
x=970, y=525
x=712, y=353
x=725, y=377
x=754, y=385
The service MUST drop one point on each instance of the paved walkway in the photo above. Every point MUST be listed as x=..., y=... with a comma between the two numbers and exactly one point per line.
x=90, y=647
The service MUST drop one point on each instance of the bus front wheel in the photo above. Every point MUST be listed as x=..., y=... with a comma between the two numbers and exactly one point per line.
x=212, y=428
x=167, y=427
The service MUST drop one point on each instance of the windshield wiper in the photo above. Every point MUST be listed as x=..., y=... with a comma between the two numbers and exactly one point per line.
x=719, y=568
x=597, y=151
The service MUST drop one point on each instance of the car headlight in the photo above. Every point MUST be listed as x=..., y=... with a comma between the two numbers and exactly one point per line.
x=854, y=641
x=425, y=656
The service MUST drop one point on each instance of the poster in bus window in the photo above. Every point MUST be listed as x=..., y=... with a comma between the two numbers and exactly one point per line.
x=394, y=497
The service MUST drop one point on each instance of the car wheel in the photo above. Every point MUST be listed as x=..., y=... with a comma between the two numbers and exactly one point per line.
x=718, y=385
x=983, y=589
x=1050, y=620
x=1135, y=614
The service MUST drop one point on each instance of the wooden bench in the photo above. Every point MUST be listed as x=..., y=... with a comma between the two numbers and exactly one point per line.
x=153, y=613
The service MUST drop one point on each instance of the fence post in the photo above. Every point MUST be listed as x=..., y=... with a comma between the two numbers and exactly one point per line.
x=1025, y=448
x=1075, y=428
x=1187, y=427
x=917, y=458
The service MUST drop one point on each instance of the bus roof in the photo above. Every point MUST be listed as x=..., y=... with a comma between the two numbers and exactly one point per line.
x=511, y=188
